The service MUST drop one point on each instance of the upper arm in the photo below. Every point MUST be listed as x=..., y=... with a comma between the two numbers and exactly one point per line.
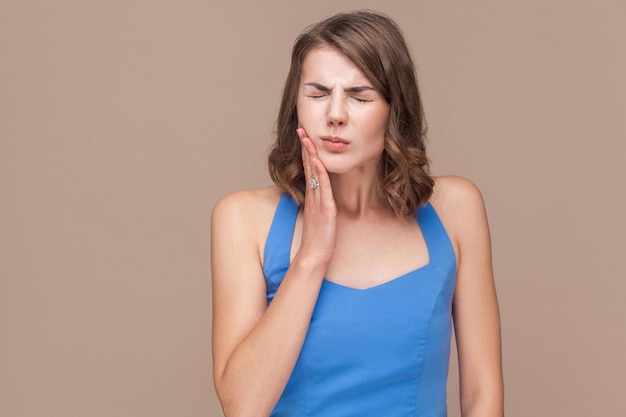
x=238, y=286
x=475, y=306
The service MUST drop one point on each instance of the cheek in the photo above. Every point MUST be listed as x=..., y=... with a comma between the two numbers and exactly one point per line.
x=300, y=114
x=381, y=121
x=375, y=123
x=306, y=115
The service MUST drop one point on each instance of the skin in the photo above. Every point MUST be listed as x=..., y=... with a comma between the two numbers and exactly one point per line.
x=255, y=347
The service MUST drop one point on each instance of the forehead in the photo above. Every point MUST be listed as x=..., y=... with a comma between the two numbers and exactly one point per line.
x=327, y=64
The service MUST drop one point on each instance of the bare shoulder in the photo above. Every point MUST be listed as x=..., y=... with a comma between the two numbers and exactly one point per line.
x=460, y=206
x=248, y=204
x=243, y=199
x=240, y=223
x=454, y=192
x=246, y=214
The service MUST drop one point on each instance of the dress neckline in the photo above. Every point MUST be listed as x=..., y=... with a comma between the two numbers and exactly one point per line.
x=398, y=278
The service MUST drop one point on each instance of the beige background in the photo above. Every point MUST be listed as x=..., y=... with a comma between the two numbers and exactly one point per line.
x=122, y=122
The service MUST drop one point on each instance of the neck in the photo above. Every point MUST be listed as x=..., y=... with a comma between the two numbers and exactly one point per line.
x=358, y=193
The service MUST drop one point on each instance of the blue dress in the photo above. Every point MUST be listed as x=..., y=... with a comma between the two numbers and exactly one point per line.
x=379, y=352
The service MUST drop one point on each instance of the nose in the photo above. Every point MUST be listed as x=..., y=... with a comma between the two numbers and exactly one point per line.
x=337, y=114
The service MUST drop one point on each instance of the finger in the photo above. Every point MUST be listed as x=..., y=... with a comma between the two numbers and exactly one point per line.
x=306, y=160
x=316, y=168
x=323, y=179
x=313, y=177
x=310, y=172
x=311, y=148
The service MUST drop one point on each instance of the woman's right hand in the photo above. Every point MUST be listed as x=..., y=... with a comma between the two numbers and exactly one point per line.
x=319, y=230
x=256, y=346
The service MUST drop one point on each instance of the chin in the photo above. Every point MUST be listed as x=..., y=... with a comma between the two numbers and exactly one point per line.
x=333, y=165
x=339, y=169
x=343, y=164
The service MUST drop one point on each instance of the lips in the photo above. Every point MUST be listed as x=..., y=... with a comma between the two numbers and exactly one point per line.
x=335, y=139
x=335, y=143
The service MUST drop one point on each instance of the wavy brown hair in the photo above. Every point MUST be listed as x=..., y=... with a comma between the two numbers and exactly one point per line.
x=374, y=43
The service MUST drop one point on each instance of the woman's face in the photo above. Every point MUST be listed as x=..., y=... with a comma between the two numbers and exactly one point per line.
x=345, y=117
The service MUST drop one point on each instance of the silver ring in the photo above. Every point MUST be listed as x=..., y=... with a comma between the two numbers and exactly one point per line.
x=313, y=183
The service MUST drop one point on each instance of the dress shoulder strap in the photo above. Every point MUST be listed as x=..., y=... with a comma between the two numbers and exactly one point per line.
x=440, y=248
x=278, y=244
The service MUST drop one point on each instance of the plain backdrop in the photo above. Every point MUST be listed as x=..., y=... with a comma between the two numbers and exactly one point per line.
x=123, y=122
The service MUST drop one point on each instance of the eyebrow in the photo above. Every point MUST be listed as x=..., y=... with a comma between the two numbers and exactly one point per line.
x=356, y=89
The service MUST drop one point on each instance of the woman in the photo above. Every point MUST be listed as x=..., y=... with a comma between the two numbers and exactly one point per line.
x=334, y=290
